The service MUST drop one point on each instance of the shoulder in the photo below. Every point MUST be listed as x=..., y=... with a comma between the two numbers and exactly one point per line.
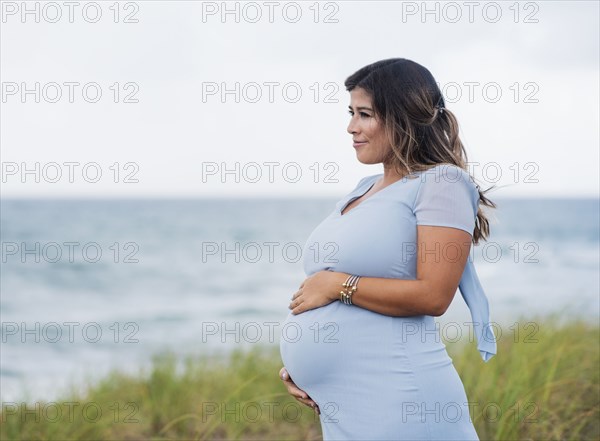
x=446, y=174
x=447, y=179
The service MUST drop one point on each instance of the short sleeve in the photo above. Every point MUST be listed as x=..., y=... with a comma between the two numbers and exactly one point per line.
x=447, y=197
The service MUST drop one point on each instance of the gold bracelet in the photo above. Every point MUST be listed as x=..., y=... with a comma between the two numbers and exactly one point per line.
x=350, y=287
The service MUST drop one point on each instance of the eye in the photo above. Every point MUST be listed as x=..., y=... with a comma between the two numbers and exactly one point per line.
x=363, y=114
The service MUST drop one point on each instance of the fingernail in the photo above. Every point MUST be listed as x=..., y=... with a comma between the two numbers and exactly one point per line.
x=284, y=376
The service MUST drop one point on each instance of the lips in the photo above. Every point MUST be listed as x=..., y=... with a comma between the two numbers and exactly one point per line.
x=359, y=143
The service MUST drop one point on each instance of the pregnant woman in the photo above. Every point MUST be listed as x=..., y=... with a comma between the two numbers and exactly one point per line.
x=360, y=343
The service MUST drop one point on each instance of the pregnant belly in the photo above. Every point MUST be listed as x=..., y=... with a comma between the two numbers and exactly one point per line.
x=318, y=345
x=344, y=356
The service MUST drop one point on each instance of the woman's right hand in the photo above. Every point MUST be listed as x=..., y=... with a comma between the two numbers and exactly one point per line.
x=296, y=392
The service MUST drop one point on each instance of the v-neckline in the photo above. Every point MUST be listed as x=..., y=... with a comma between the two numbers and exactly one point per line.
x=353, y=198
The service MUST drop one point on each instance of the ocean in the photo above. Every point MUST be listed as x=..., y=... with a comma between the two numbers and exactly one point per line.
x=92, y=285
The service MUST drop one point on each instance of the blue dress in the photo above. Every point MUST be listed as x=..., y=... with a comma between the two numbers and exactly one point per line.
x=374, y=376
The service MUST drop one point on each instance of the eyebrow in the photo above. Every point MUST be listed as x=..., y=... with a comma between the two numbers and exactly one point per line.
x=361, y=108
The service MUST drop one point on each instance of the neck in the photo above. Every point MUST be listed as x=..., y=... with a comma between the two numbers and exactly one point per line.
x=390, y=174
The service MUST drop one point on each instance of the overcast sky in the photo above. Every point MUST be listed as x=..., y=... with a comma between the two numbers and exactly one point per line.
x=522, y=80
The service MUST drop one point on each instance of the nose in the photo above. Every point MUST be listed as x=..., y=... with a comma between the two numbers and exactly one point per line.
x=352, y=126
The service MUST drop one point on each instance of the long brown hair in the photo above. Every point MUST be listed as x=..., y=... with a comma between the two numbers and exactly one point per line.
x=421, y=131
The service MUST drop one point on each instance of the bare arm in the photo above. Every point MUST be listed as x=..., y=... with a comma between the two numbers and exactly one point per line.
x=442, y=254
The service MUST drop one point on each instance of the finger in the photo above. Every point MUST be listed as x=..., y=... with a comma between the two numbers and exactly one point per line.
x=291, y=386
x=301, y=307
x=312, y=405
x=308, y=402
x=283, y=373
x=299, y=394
x=295, y=390
x=296, y=303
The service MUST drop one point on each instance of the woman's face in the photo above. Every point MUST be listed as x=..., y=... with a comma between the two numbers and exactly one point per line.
x=367, y=131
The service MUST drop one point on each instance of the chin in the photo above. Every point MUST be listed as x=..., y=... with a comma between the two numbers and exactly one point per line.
x=367, y=160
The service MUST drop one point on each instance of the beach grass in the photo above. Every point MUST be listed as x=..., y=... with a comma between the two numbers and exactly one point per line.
x=543, y=385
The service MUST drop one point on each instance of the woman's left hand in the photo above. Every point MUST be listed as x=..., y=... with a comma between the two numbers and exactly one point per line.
x=320, y=289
